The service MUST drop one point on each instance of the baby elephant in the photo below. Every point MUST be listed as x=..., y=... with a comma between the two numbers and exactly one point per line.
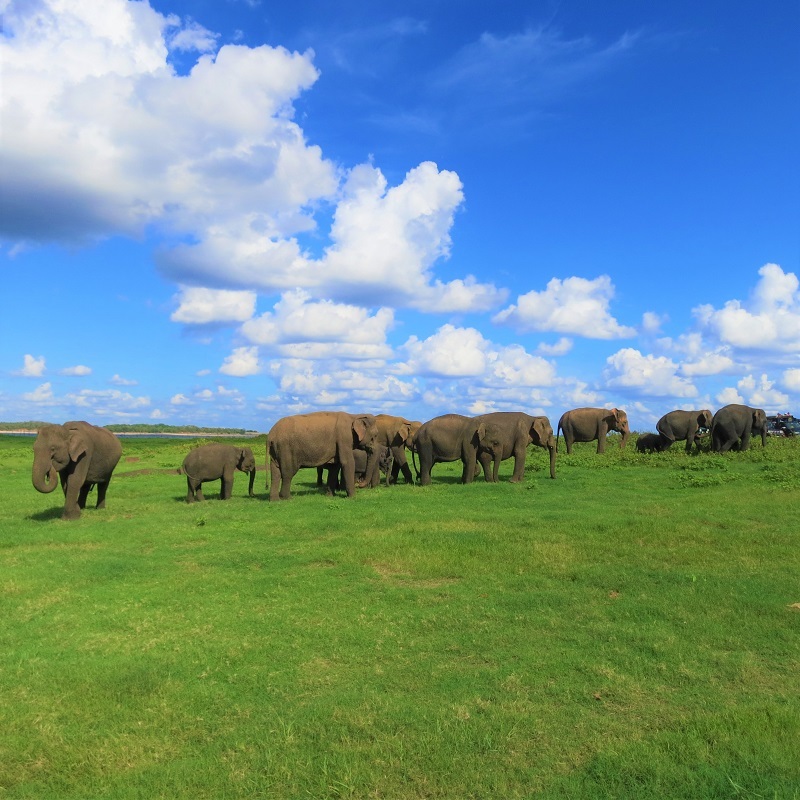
x=211, y=462
x=652, y=443
x=334, y=483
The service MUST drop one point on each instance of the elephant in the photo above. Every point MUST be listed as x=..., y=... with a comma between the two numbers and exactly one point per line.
x=396, y=433
x=517, y=430
x=652, y=443
x=452, y=437
x=82, y=455
x=384, y=463
x=315, y=439
x=211, y=462
x=678, y=425
x=732, y=426
x=588, y=424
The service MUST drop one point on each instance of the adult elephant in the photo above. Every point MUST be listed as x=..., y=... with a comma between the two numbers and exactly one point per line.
x=313, y=440
x=675, y=426
x=588, y=424
x=211, y=462
x=517, y=430
x=452, y=437
x=396, y=433
x=734, y=424
x=82, y=456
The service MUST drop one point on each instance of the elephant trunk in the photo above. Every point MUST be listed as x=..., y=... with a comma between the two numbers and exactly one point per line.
x=45, y=478
x=624, y=440
x=252, y=481
x=552, y=448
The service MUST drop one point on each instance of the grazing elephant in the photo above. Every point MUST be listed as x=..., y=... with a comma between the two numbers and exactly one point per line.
x=517, y=431
x=82, y=455
x=313, y=440
x=452, y=437
x=678, y=425
x=396, y=433
x=384, y=463
x=211, y=462
x=588, y=424
x=652, y=443
x=733, y=425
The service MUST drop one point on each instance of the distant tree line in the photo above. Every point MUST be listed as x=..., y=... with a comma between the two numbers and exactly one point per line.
x=140, y=427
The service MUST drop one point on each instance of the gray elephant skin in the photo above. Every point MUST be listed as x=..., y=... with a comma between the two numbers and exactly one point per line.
x=397, y=433
x=452, y=437
x=211, y=462
x=316, y=439
x=733, y=425
x=679, y=425
x=82, y=456
x=517, y=430
x=588, y=424
x=652, y=443
x=384, y=463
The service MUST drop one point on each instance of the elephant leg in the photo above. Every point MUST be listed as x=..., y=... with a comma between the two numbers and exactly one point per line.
x=568, y=440
x=425, y=466
x=485, y=460
x=71, y=508
x=519, y=465
x=280, y=480
x=199, y=493
x=83, y=494
x=320, y=482
x=745, y=441
x=226, y=488
x=102, y=488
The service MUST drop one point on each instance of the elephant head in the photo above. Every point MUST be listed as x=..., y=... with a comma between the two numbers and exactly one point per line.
x=247, y=463
x=760, y=424
x=54, y=448
x=541, y=434
x=704, y=418
x=620, y=424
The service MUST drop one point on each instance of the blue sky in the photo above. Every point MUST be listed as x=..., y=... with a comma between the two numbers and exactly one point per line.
x=220, y=213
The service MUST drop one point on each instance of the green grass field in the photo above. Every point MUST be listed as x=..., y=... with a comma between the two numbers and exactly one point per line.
x=629, y=630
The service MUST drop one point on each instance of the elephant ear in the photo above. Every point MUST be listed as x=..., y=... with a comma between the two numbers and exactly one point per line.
x=77, y=445
x=481, y=431
x=404, y=430
x=360, y=428
x=537, y=432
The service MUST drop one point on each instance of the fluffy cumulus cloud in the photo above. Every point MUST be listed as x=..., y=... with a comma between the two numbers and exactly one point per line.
x=32, y=367
x=575, y=306
x=757, y=391
x=791, y=380
x=300, y=327
x=103, y=403
x=101, y=134
x=243, y=361
x=454, y=352
x=655, y=376
x=769, y=320
x=198, y=306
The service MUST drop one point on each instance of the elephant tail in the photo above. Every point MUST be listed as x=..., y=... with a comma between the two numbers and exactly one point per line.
x=414, y=462
x=558, y=433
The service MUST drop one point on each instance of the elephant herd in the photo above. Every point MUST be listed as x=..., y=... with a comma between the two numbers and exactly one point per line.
x=355, y=448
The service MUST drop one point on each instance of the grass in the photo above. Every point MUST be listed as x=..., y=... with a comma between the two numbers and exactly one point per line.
x=628, y=630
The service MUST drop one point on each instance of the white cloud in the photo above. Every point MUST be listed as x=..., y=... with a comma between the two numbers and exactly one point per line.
x=463, y=352
x=77, y=371
x=103, y=136
x=32, y=367
x=301, y=328
x=119, y=381
x=710, y=364
x=769, y=321
x=41, y=394
x=573, y=306
x=559, y=348
x=729, y=395
x=243, y=361
x=180, y=400
x=651, y=375
x=193, y=37
x=761, y=392
x=198, y=306
x=791, y=380
x=652, y=322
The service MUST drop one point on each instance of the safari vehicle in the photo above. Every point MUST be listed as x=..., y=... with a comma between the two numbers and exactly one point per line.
x=783, y=425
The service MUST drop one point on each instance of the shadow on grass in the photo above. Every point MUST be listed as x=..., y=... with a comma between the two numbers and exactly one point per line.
x=46, y=516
